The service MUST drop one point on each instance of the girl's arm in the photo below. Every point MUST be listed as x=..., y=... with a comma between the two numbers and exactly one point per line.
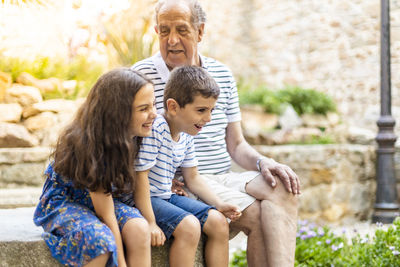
x=104, y=208
x=197, y=186
x=143, y=203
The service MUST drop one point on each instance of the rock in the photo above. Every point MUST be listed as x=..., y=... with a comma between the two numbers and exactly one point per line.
x=69, y=86
x=320, y=121
x=256, y=121
x=19, y=197
x=44, y=85
x=53, y=105
x=42, y=121
x=10, y=112
x=321, y=175
x=302, y=134
x=5, y=82
x=13, y=135
x=334, y=213
x=21, y=243
x=24, y=95
x=289, y=119
x=21, y=155
x=23, y=174
x=357, y=135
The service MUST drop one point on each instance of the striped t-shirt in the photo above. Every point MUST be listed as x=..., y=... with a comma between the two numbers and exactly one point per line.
x=210, y=144
x=163, y=156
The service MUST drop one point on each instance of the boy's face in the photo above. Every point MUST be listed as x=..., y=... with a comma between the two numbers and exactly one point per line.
x=192, y=117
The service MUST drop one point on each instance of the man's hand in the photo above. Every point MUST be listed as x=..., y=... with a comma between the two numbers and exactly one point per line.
x=230, y=211
x=270, y=168
x=177, y=188
x=157, y=235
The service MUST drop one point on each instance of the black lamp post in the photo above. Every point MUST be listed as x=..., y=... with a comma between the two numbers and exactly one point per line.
x=386, y=207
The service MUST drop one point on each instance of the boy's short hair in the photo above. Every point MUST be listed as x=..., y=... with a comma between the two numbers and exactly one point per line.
x=186, y=82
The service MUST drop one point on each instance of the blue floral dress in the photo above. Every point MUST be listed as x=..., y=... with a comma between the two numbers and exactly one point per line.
x=72, y=231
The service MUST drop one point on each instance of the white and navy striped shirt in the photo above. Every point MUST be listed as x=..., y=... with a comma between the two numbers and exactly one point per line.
x=210, y=144
x=162, y=156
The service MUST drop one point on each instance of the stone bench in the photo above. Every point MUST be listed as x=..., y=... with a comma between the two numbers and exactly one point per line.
x=21, y=243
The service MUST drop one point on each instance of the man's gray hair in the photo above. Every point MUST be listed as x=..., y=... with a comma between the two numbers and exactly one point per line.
x=198, y=16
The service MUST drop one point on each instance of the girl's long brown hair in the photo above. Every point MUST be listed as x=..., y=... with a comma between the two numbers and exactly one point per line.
x=96, y=150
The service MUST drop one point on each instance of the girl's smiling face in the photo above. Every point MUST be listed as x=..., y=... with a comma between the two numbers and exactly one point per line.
x=143, y=111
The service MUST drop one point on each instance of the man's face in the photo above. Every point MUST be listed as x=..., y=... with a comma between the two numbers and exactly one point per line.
x=178, y=37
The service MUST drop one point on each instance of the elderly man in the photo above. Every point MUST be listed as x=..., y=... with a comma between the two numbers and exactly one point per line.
x=267, y=194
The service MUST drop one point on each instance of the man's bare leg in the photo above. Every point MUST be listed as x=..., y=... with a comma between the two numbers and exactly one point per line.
x=278, y=220
x=250, y=224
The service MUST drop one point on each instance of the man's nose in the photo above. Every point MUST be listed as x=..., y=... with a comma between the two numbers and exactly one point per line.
x=173, y=38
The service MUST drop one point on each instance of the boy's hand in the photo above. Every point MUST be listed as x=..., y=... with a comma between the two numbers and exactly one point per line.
x=230, y=211
x=177, y=188
x=157, y=235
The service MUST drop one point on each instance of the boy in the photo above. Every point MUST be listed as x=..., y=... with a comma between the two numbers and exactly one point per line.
x=189, y=98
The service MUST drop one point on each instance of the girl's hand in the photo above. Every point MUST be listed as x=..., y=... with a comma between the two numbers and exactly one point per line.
x=157, y=235
x=230, y=211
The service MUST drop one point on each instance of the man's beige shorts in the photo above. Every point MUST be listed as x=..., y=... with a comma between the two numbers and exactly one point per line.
x=231, y=188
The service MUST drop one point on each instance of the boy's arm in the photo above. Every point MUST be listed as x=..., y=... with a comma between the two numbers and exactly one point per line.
x=104, y=208
x=198, y=186
x=143, y=203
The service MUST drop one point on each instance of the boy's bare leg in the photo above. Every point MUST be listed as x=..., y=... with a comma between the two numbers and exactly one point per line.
x=186, y=239
x=217, y=247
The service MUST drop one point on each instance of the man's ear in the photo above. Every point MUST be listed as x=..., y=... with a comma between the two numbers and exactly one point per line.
x=200, y=32
x=172, y=106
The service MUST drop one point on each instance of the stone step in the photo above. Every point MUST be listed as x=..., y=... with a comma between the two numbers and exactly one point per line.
x=21, y=244
x=19, y=197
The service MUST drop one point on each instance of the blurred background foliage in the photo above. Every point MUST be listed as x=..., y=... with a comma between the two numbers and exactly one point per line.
x=304, y=101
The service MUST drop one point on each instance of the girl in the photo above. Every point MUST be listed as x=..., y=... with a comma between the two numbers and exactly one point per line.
x=84, y=223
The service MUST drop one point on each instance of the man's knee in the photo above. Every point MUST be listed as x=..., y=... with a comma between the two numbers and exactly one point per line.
x=250, y=219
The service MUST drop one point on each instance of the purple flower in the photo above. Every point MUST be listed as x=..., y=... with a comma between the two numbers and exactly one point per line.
x=334, y=248
x=320, y=231
x=391, y=248
x=395, y=252
x=303, y=229
x=328, y=241
x=319, y=243
x=311, y=234
x=364, y=240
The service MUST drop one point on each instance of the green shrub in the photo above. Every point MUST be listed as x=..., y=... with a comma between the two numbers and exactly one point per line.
x=319, y=246
x=79, y=69
x=302, y=100
x=307, y=100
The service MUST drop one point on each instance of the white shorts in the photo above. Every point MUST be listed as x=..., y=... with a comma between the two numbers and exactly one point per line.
x=231, y=188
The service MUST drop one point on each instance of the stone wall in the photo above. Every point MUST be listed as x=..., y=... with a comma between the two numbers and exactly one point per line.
x=331, y=46
x=338, y=181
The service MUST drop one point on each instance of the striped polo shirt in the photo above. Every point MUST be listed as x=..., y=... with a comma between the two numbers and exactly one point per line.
x=210, y=145
x=162, y=156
